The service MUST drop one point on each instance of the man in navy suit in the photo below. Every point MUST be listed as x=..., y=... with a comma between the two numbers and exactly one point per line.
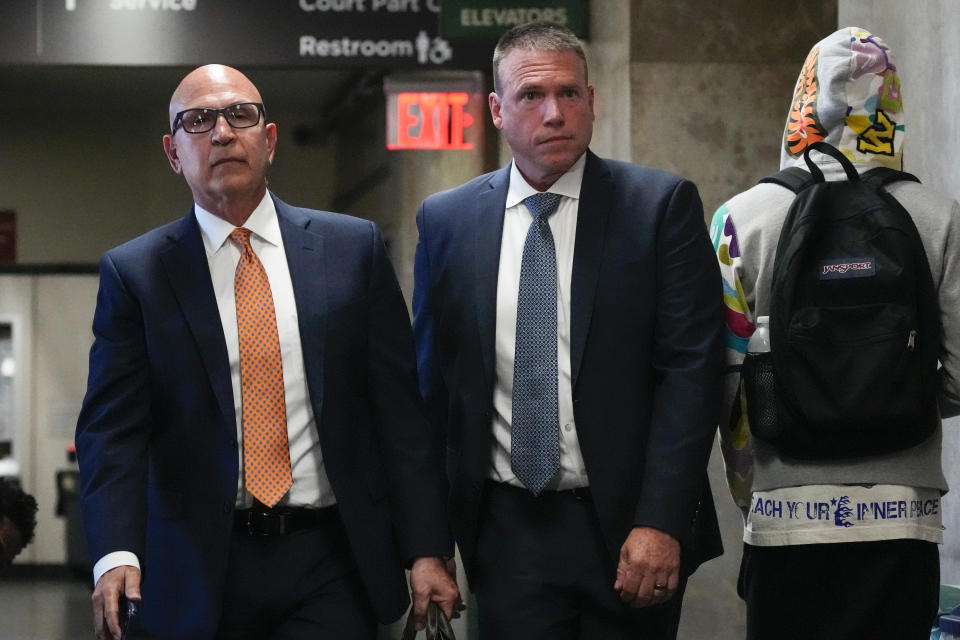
x=569, y=347
x=165, y=484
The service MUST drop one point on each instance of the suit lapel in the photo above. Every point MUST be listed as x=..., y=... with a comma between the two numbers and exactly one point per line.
x=488, y=231
x=596, y=200
x=305, y=259
x=186, y=264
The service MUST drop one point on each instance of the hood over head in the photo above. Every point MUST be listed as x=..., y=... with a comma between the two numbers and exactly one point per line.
x=848, y=94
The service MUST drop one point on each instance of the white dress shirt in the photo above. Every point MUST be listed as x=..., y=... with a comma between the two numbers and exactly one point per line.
x=310, y=484
x=311, y=487
x=563, y=226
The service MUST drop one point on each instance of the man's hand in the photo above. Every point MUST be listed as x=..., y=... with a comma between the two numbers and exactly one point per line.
x=648, y=559
x=106, y=599
x=430, y=580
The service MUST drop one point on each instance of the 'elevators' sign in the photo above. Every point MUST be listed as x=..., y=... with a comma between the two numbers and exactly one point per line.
x=317, y=33
x=473, y=19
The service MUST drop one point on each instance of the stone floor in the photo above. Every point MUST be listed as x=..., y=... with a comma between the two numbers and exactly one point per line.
x=44, y=608
x=59, y=609
x=55, y=605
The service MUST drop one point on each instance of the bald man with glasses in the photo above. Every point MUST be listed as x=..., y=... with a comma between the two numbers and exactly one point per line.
x=254, y=459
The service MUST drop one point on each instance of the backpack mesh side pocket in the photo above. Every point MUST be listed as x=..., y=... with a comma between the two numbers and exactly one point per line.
x=760, y=388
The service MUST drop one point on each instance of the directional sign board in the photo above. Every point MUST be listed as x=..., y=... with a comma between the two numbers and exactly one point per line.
x=317, y=33
x=479, y=19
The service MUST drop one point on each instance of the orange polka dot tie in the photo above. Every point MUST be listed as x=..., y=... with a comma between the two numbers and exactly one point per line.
x=266, y=452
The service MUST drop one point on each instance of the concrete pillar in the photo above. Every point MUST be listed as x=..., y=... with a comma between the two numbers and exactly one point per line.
x=923, y=37
x=608, y=54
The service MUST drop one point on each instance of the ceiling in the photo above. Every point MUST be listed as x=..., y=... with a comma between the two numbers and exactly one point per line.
x=119, y=88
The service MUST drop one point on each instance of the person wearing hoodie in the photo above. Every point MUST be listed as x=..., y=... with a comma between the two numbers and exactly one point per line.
x=812, y=568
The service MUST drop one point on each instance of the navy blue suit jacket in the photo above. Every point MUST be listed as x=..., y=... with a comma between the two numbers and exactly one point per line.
x=646, y=347
x=157, y=435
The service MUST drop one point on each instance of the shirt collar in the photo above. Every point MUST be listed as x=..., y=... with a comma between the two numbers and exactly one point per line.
x=566, y=185
x=262, y=223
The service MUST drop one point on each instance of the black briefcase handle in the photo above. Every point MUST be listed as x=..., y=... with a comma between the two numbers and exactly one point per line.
x=438, y=627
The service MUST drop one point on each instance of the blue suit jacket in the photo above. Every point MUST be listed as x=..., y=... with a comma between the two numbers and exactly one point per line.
x=157, y=436
x=646, y=347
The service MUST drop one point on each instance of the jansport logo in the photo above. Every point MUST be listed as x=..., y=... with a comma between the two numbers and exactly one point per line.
x=847, y=268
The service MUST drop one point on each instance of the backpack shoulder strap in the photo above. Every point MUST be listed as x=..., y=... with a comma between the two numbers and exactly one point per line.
x=882, y=176
x=793, y=178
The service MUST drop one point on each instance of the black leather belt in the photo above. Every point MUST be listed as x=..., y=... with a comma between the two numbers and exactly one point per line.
x=277, y=522
x=578, y=493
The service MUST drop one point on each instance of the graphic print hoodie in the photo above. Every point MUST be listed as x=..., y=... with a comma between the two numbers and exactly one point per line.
x=848, y=94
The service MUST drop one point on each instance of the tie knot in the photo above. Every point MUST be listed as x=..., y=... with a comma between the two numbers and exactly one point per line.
x=241, y=236
x=542, y=205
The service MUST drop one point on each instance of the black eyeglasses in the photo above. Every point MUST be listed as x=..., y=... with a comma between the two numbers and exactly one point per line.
x=239, y=116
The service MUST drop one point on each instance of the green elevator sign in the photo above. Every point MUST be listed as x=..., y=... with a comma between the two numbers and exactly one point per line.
x=488, y=19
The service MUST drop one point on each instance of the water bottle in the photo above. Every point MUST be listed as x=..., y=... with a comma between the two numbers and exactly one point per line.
x=949, y=627
x=759, y=384
x=760, y=340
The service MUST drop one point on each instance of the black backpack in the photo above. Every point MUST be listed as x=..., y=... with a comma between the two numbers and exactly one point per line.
x=854, y=322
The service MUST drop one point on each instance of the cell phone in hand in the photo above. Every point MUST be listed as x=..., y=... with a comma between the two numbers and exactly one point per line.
x=127, y=612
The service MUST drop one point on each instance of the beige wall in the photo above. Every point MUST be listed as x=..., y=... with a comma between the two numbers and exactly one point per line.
x=608, y=54
x=16, y=309
x=60, y=356
x=79, y=190
x=711, y=84
x=51, y=316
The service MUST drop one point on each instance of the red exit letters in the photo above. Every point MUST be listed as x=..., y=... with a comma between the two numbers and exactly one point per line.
x=431, y=121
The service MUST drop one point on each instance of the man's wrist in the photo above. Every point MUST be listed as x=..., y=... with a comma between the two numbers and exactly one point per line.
x=112, y=561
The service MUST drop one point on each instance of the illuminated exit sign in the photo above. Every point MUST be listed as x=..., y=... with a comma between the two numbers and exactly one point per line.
x=421, y=116
x=432, y=121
